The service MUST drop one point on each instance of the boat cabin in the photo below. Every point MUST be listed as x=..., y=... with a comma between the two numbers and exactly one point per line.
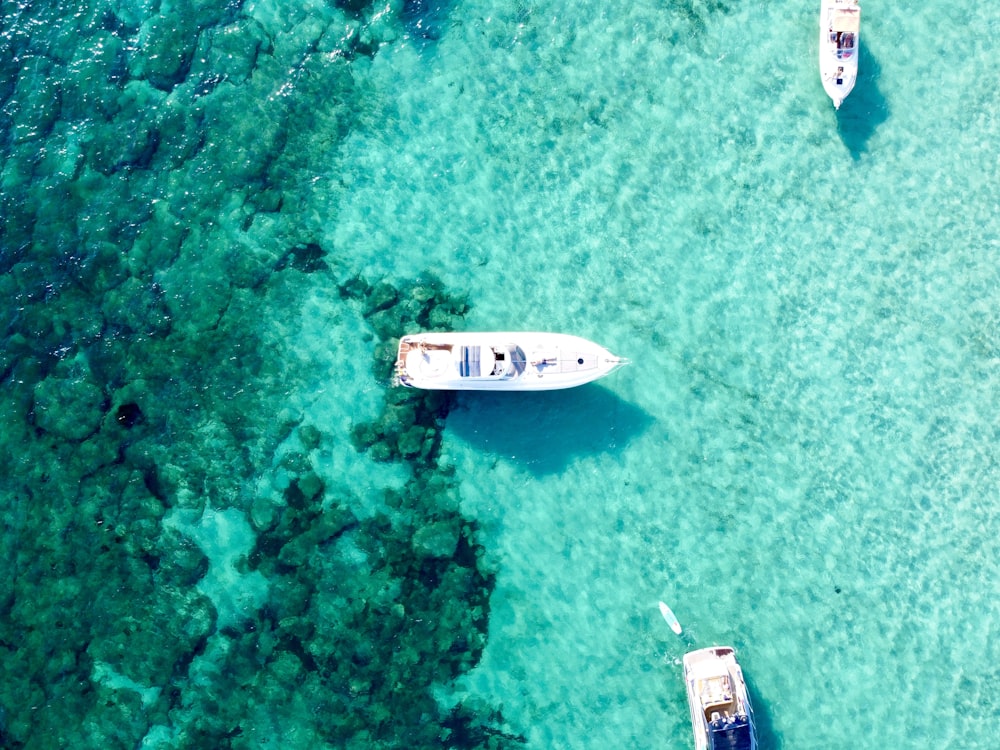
x=844, y=32
x=490, y=361
x=716, y=694
x=728, y=729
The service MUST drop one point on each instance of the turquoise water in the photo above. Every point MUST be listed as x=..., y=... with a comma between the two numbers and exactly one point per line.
x=215, y=219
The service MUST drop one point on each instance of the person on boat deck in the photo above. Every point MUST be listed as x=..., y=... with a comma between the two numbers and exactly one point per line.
x=425, y=347
x=845, y=40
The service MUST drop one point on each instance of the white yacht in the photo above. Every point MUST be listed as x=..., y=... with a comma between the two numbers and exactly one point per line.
x=839, y=32
x=500, y=361
x=721, y=715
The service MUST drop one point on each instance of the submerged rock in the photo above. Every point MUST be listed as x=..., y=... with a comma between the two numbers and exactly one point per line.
x=439, y=539
x=68, y=403
x=143, y=395
x=165, y=50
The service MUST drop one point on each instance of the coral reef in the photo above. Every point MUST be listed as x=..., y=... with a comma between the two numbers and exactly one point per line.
x=409, y=426
x=426, y=581
x=155, y=229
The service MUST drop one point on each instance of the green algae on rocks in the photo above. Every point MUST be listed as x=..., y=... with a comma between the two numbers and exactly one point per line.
x=149, y=225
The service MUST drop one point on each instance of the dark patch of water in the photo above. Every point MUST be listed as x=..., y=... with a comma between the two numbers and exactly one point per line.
x=545, y=432
x=865, y=109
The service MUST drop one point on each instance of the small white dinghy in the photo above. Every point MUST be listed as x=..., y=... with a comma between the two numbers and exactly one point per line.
x=839, y=32
x=500, y=361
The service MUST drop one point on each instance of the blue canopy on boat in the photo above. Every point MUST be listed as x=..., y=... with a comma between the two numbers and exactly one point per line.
x=476, y=361
x=730, y=733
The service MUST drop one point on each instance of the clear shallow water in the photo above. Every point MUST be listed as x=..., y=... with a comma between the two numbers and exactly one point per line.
x=802, y=459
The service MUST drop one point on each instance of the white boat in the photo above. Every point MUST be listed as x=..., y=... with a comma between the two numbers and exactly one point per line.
x=500, y=361
x=839, y=34
x=721, y=715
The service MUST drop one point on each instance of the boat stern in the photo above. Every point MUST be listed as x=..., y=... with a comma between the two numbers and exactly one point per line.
x=424, y=362
x=399, y=373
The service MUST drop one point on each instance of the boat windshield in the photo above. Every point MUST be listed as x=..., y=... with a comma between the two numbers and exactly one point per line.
x=715, y=690
x=730, y=733
x=518, y=360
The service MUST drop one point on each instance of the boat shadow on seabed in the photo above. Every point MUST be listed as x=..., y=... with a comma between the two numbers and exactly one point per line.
x=763, y=724
x=544, y=432
x=865, y=108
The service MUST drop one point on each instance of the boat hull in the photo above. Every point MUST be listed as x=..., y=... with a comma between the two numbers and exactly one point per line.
x=500, y=361
x=839, y=44
x=721, y=714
